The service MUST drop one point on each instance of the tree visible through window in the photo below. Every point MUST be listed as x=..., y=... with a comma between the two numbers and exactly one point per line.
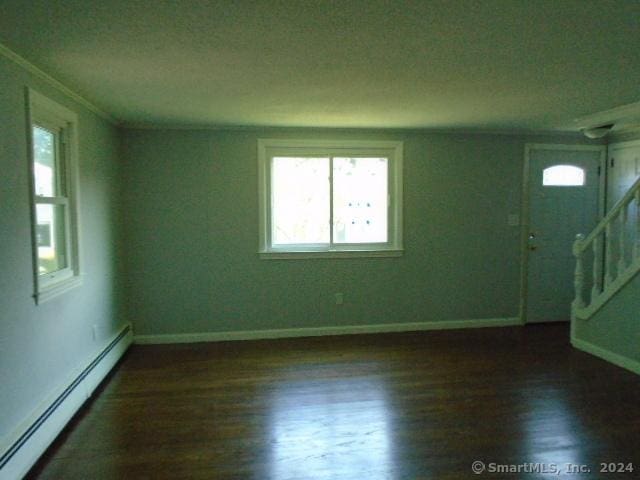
x=360, y=193
x=330, y=197
x=51, y=201
x=52, y=143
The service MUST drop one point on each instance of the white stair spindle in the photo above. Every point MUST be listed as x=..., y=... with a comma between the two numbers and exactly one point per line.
x=578, y=278
x=636, y=250
x=596, y=289
x=622, y=264
x=608, y=255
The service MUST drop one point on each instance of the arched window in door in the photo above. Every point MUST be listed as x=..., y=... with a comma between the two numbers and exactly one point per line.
x=563, y=176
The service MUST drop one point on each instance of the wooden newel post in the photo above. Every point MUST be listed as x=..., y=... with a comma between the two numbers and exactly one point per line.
x=578, y=278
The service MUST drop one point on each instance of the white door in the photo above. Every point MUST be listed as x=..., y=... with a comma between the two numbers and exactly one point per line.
x=564, y=200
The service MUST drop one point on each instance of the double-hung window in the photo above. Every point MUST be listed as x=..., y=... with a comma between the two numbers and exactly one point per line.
x=52, y=152
x=330, y=198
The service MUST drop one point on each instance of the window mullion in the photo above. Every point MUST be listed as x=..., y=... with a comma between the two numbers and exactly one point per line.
x=269, y=192
x=41, y=199
x=331, y=202
x=63, y=153
x=68, y=237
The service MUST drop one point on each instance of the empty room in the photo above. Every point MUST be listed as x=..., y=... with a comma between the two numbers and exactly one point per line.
x=319, y=239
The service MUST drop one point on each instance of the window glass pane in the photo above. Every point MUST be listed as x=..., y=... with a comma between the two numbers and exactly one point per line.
x=563, y=176
x=51, y=238
x=360, y=200
x=300, y=200
x=44, y=158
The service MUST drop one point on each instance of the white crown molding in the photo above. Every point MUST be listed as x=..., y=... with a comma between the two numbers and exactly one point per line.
x=618, y=145
x=622, y=114
x=391, y=130
x=625, y=134
x=195, y=126
x=31, y=68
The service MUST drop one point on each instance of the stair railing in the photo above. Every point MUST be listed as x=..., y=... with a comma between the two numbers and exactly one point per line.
x=613, y=251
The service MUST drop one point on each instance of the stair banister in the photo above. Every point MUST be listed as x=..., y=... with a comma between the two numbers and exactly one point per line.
x=608, y=280
x=628, y=197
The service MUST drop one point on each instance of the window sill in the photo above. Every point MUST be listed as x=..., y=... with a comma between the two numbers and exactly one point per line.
x=292, y=255
x=57, y=289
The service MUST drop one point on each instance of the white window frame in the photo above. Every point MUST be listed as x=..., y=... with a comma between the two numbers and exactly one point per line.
x=269, y=148
x=63, y=122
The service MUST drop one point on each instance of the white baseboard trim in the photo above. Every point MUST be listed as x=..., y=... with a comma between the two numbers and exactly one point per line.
x=33, y=437
x=324, y=331
x=609, y=356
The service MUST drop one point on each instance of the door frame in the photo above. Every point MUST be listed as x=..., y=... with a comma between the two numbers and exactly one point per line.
x=611, y=149
x=526, y=201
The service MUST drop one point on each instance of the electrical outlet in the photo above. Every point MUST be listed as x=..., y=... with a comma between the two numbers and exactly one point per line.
x=339, y=298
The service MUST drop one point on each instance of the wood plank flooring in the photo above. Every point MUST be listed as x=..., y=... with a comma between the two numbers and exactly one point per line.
x=367, y=407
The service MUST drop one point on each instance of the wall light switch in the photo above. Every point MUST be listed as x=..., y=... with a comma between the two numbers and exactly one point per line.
x=513, y=220
x=339, y=298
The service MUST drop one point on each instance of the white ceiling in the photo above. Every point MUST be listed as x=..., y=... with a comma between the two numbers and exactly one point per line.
x=472, y=64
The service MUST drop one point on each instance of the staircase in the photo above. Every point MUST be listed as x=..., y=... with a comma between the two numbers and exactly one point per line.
x=610, y=254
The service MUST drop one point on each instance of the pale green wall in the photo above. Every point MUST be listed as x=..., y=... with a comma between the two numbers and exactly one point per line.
x=41, y=346
x=616, y=326
x=192, y=236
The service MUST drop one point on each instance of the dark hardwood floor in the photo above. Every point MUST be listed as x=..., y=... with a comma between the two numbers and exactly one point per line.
x=390, y=406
